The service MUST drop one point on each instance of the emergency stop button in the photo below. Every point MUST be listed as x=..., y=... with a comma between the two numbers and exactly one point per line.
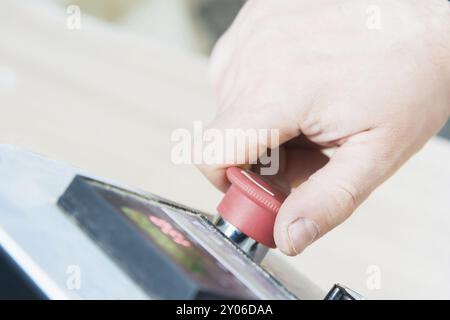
x=251, y=204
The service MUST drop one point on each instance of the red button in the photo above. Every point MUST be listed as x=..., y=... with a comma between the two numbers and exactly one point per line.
x=251, y=204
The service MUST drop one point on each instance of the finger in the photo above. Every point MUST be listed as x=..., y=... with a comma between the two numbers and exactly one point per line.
x=329, y=196
x=243, y=143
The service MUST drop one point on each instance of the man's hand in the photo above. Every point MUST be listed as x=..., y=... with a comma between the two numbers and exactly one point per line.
x=325, y=77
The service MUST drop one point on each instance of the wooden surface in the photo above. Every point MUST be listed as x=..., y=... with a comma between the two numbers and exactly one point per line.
x=106, y=101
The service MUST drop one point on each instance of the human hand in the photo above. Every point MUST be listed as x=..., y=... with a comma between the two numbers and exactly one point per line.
x=317, y=72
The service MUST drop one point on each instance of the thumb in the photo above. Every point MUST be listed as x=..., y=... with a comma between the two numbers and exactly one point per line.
x=330, y=195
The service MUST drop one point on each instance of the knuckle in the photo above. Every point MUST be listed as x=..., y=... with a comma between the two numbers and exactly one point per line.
x=339, y=202
x=347, y=197
x=344, y=200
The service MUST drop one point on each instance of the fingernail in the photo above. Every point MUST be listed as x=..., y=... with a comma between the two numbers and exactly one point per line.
x=301, y=233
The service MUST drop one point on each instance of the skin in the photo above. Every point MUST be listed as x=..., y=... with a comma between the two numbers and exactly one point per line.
x=318, y=73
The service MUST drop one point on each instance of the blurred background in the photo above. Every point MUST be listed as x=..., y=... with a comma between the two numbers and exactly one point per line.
x=192, y=25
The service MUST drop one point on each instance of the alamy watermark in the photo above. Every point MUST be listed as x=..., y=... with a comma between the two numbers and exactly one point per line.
x=73, y=21
x=73, y=280
x=212, y=146
x=373, y=281
x=373, y=21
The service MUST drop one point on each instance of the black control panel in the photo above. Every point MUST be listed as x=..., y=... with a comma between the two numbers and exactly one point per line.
x=156, y=251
